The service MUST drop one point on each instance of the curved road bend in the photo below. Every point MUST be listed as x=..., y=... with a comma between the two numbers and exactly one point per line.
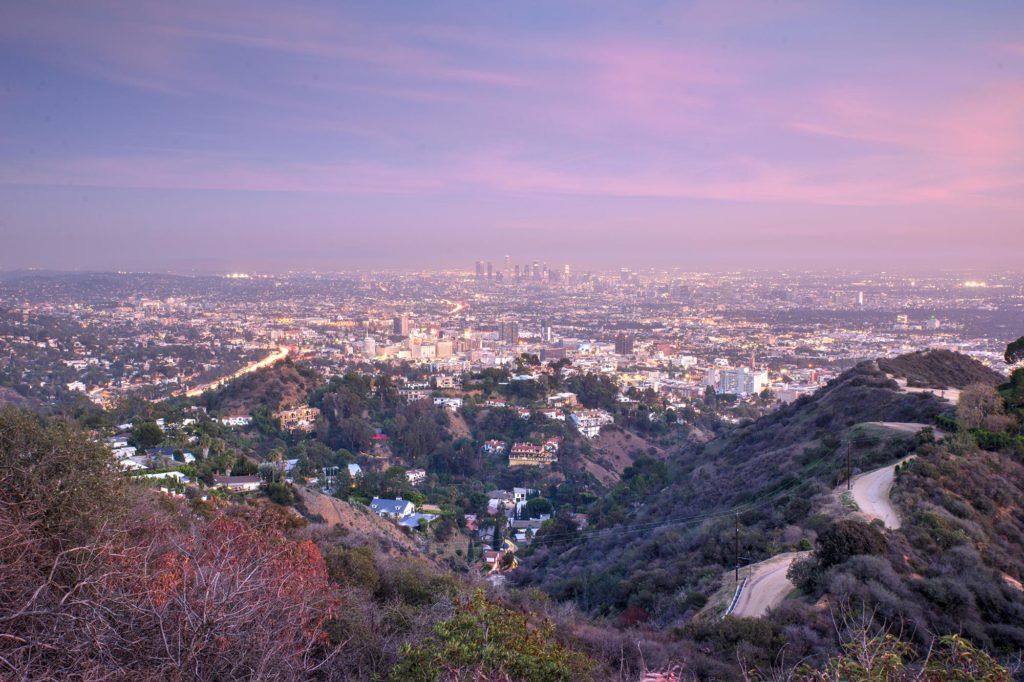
x=767, y=586
x=871, y=493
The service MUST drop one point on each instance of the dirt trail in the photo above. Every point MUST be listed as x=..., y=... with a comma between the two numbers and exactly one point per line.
x=908, y=427
x=767, y=585
x=871, y=493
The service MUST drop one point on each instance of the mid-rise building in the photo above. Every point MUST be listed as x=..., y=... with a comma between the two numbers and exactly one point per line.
x=624, y=343
x=741, y=381
x=589, y=422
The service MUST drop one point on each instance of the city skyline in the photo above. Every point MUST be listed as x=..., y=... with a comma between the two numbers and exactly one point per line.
x=695, y=135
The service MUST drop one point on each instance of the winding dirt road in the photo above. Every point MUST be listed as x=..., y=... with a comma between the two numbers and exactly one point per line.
x=767, y=585
x=871, y=489
x=871, y=493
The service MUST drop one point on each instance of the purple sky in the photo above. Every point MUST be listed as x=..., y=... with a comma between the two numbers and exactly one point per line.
x=222, y=135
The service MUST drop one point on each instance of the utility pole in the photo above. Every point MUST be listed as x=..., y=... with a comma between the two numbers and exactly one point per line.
x=737, y=546
x=849, y=468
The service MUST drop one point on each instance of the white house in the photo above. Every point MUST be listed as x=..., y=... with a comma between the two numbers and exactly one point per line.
x=393, y=509
x=589, y=422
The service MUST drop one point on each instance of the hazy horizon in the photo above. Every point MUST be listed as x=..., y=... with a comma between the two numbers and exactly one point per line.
x=702, y=135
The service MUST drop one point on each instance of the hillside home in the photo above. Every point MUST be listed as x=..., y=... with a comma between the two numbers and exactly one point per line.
x=392, y=509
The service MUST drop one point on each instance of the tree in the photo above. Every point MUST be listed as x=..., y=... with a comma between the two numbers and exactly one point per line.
x=486, y=641
x=848, y=538
x=536, y=507
x=1014, y=351
x=342, y=482
x=978, y=402
x=147, y=435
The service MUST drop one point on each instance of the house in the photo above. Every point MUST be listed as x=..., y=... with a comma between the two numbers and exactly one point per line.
x=445, y=381
x=553, y=413
x=355, y=470
x=394, y=509
x=175, y=475
x=132, y=463
x=416, y=476
x=237, y=484
x=562, y=399
x=410, y=392
x=115, y=442
x=471, y=523
x=521, y=494
x=413, y=520
x=494, y=447
x=491, y=557
x=527, y=454
x=123, y=452
x=236, y=420
x=495, y=402
x=498, y=500
x=522, y=413
x=450, y=404
x=166, y=456
x=589, y=422
x=552, y=444
x=299, y=419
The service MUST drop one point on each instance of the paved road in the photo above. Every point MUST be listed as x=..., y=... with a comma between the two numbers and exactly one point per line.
x=871, y=493
x=767, y=586
x=280, y=354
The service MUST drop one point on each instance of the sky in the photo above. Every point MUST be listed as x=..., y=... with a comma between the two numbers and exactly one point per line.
x=218, y=136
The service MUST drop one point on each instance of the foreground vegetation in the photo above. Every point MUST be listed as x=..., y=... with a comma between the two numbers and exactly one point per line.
x=101, y=578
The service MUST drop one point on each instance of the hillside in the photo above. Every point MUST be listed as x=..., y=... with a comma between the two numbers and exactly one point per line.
x=940, y=369
x=280, y=386
x=357, y=524
x=614, y=450
x=10, y=397
x=657, y=537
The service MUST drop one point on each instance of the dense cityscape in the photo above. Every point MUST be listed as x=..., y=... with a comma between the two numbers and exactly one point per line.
x=109, y=336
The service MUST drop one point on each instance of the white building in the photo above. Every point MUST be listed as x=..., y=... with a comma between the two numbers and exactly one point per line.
x=741, y=381
x=589, y=422
x=369, y=347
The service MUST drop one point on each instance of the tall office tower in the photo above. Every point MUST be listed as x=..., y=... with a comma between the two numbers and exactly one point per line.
x=509, y=331
x=623, y=343
x=624, y=274
x=490, y=270
x=546, y=334
x=479, y=269
x=401, y=325
x=369, y=347
x=566, y=271
x=536, y=270
x=860, y=298
x=517, y=272
x=508, y=265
